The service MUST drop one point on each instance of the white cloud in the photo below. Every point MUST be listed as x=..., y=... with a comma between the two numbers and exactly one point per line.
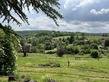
x=70, y=3
x=44, y=23
x=87, y=2
x=79, y=26
x=78, y=3
x=41, y=22
x=102, y=11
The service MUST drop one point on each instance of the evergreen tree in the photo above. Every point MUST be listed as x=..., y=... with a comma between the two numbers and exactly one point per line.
x=106, y=43
x=71, y=39
x=46, y=6
x=9, y=47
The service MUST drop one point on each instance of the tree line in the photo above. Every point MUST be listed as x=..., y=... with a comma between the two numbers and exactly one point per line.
x=66, y=43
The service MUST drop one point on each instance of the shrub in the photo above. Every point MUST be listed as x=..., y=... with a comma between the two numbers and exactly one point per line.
x=94, y=46
x=60, y=52
x=75, y=50
x=95, y=54
x=106, y=43
x=79, y=42
x=85, y=51
x=72, y=50
x=48, y=45
x=34, y=49
x=51, y=52
x=40, y=51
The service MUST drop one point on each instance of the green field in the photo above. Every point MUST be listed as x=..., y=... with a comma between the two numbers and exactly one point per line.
x=82, y=70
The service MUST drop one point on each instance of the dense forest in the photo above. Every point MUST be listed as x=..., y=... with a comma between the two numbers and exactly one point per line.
x=57, y=42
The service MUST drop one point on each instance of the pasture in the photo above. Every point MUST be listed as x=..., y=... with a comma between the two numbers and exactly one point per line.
x=80, y=70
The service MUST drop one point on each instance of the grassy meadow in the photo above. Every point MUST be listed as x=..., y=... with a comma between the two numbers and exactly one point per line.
x=82, y=70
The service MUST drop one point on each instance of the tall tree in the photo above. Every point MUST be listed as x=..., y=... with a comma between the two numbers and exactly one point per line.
x=106, y=43
x=71, y=39
x=46, y=6
x=7, y=7
x=8, y=48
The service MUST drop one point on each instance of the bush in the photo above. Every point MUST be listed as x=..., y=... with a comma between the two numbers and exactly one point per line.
x=72, y=50
x=33, y=49
x=94, y=46
x=79, y=42
x=60, y=52
x=48, y=45
x=95, y=54
x=40, y=51
x=75, y=50
x=85, y=51
x=51, y=52
x=106, y=43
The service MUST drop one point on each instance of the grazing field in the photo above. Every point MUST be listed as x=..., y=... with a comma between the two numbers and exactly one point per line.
x=80, y=70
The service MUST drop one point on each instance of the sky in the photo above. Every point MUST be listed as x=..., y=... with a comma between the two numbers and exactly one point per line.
x=90, y=16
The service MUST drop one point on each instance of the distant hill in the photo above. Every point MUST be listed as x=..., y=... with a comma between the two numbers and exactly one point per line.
x=35, y=32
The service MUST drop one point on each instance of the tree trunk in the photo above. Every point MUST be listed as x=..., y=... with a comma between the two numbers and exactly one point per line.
x=25, y=54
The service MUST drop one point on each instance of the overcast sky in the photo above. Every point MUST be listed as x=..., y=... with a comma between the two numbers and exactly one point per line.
x=79, y=16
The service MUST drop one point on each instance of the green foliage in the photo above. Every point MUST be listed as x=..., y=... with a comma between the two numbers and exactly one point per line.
x=48, y=45
x=22, y=42
x=41, y=46
x=8, y=66
x=50, y=40
x=51, y=52
x=79, y=42
x=86, y=49
x=106, y=43
x=9, y=45
x=34, y=49
x=2, y=34
x=48, y=7
x=94, y=54
x=71, y=39
x=94, y=46
x=60, y=52
x=2, y=61
x=72, y=49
